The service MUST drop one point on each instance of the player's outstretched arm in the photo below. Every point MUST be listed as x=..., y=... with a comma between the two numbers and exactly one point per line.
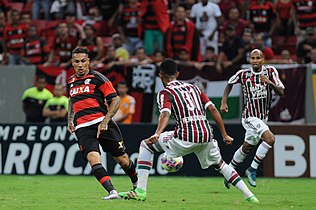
x=162, y=124
x=228, y=89
x=71, y=127
x=219, y=121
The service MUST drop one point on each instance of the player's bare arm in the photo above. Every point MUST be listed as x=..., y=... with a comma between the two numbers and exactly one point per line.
x=162, y=124
x=279, y=90
x=228, y=89
x=71, y=127
x=113, y=107
x=219, y=122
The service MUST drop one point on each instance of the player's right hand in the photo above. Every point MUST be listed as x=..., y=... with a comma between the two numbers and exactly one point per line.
x=153, y=139
x=224, y=108
x=71, y=127
x=228, y=140
x=103, y=126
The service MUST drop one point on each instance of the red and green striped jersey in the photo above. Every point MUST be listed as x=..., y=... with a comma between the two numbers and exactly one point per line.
x=187, y=104
x=256, y=94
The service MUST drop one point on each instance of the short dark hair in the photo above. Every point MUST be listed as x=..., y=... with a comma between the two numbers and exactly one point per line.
x=210, y=48
x=91, y=26
x=122, y=83
x=169, y=67
x=41, y=76
x=140, y=48
x=81, y=49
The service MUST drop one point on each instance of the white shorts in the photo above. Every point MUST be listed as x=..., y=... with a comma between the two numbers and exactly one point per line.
x=254, y=129
x=208, y=153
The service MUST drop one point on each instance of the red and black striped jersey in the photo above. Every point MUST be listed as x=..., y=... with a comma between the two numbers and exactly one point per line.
x=130, y=20
x=178, y=38
x=88, y=95
x=261, y=16
x=306, y=13
x=35, y=50
x=187, y=104
x=15, y=36
x=150, y=19
x=64, y=47
x=256, y=94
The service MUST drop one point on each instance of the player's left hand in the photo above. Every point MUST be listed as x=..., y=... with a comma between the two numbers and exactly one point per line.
x=228, y=140
x=103, y=126
x=153, y=139
x=265, y=79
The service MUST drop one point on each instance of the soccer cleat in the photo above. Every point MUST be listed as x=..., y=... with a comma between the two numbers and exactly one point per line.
x=252, y=199
x=251, y=176
x=137, y=194
x=111, y=196
x=227, y=183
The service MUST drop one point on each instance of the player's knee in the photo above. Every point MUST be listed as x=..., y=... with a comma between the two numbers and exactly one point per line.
x=146, y=146
x=246, y=149
x=93, y=158
x=270, y=139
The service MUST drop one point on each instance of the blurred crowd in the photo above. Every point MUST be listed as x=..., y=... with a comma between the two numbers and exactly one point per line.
x=217, y=33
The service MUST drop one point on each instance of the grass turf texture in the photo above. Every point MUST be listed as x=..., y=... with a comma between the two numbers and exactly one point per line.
x=84, y=192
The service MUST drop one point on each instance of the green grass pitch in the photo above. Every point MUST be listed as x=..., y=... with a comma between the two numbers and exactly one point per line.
x=84, y=192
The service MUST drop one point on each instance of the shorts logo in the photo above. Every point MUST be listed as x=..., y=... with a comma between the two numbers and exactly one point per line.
x=121, y=144
x=258, y=126
x=80, y=147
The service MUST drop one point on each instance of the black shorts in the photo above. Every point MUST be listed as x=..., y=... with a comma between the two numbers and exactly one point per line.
x=111, y=140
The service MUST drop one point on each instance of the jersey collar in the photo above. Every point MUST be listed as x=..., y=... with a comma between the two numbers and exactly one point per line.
x=260, y=72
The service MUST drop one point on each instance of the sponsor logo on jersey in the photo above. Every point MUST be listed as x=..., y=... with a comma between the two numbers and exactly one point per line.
x=79, y=90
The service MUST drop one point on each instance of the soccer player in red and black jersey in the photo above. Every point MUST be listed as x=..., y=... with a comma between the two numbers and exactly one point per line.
x=14, y=35
x=193, y=132
x=35, y=48
x=91, y=120
x=257, y=84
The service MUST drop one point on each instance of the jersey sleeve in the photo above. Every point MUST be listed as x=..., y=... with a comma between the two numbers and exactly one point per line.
x=275, y=78
x=106, y=87
x=164, y=102
x=218, y=12
x=235, y=78
x=47, y=104
x=205, y=100
x=192, y=13
x=25, y=94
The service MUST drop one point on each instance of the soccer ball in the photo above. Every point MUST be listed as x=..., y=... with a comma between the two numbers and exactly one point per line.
x=171, y=164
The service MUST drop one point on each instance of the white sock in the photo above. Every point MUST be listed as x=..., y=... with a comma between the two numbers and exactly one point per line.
x=144, y=164
x=238, y=158
x=260, y=154
x=233, y=177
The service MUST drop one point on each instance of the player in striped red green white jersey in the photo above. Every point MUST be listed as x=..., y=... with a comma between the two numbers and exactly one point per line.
x=193, y=133
x=257, y=82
